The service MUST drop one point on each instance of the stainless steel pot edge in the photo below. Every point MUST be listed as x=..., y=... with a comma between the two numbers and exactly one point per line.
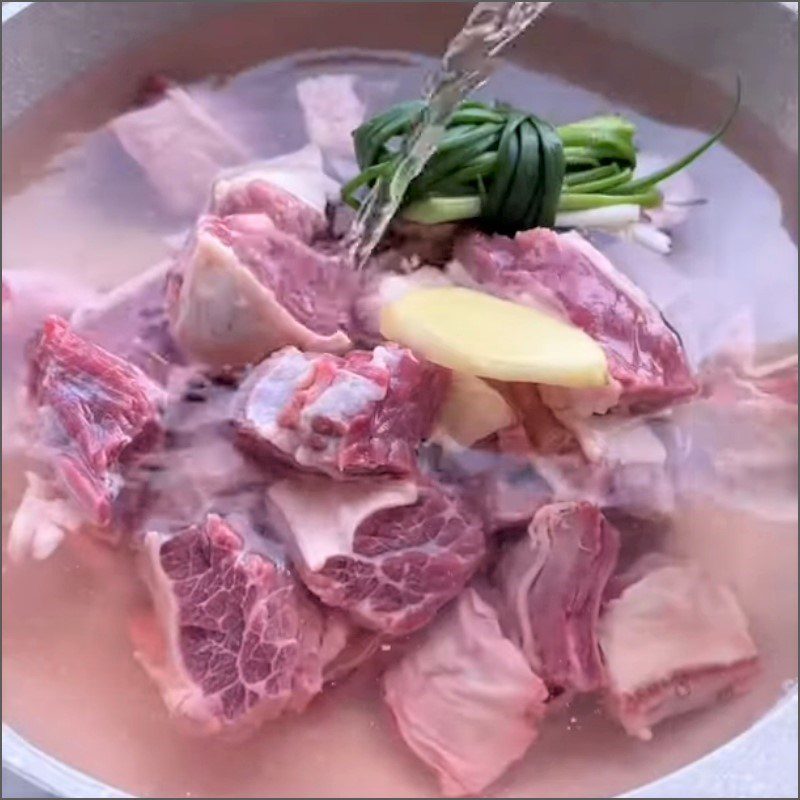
x=11, y=9
x=760, y=762
x=48, y=773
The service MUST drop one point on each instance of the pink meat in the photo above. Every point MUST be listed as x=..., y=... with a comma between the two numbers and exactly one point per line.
x=390, y=553
x=179, y=147
x=94, y=409
x=244, y=288
x=565, y=275
x=465, y=699
x=248, y=193
x=361, y=414
x=129, y=321
x=552, y=584
x=29, y=298
x=673, y=641
x=237, y=640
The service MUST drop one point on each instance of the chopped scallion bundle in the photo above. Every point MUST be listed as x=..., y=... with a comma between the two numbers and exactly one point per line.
x=512, y=170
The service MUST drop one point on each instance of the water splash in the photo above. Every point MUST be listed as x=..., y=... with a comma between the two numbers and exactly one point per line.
x=467, y=64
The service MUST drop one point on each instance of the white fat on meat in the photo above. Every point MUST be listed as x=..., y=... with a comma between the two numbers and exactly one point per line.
x=465, y=699
x=346, y=396
x=332, y=110
x=673, y=641
x=321, y=516
x=284, y=376
x=225, y=316
x=179, y=147
x=300, y=173
x=41, y=521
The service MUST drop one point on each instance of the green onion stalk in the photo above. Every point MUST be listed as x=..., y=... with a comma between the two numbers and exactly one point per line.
x=512, y=170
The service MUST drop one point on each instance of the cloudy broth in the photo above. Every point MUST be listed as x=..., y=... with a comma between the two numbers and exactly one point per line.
x=73, y=204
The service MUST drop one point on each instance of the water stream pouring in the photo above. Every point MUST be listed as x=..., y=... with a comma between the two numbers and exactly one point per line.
x=466, y=65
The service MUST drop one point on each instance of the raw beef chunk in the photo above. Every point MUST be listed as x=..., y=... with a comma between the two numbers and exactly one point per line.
x=673, y=641
x=362, y=414
x=238, y=642
x=465, y=699
x=391, y=553
x=243, y=288
x=94, y=408
x=552, y=583
x=565, y=275
x=250, y=191
x=29, y=298
x=291, y=189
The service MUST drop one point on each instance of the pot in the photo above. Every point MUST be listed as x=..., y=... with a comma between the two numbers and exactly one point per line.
x=53, y=49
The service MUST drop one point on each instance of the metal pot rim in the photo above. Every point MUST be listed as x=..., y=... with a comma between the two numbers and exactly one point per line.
x=756, y=763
